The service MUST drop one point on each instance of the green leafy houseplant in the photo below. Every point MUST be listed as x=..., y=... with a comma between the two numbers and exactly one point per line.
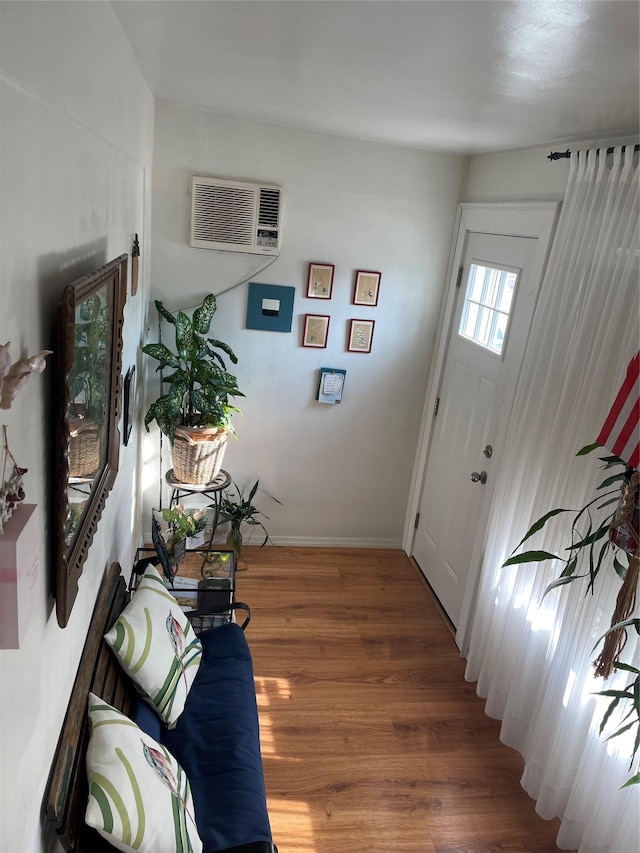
x=183, y=523
x=599, y=540
x=631, y=696
x=240, y=509
x=200, y=387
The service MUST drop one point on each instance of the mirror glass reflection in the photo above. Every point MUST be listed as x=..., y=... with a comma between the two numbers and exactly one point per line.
x=89, y=403
x=90, y=321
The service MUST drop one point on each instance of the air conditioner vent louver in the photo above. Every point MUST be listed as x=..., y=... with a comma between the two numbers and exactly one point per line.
x=236, y=216
x=269, y=207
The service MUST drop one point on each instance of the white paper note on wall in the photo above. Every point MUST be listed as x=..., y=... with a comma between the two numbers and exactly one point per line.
x=330, y=385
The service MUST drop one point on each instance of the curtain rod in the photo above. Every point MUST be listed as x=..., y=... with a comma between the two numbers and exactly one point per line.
x=561, y=155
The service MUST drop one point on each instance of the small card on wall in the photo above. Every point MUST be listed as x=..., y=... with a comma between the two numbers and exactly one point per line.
x=270, y=307
x=330, y=385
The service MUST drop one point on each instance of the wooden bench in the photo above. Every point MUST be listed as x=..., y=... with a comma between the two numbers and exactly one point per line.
x=99, y=672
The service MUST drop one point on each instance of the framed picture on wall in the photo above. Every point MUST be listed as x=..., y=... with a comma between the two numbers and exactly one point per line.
x=366, y=287
x=316, y=330
x=128, y=407
x=320, y=281
x=360, y=335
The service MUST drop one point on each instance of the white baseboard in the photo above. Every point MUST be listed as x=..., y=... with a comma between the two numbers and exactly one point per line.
x=315, y=542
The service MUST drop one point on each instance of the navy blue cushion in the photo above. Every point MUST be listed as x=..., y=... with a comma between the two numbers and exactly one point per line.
x=144, y=716
x=216, y=740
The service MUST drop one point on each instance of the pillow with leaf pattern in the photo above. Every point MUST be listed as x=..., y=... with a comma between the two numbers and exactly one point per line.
x=157, y=647
x=139, y=796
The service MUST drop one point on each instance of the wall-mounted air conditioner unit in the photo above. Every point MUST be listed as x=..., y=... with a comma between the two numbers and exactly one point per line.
x=236, y=216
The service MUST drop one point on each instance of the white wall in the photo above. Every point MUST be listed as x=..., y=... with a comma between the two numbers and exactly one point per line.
x=341, y=472
x=525, y=174
x=76, y=126
x=516, y=176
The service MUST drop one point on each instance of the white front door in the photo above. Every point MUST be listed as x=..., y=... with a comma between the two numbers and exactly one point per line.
x=489, y=321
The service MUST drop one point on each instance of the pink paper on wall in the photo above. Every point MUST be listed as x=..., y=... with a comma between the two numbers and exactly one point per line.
x=19, y=571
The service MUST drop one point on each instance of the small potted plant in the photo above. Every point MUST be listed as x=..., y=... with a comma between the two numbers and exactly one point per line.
x=195, y=413
x=238, y=510
x=183, y=524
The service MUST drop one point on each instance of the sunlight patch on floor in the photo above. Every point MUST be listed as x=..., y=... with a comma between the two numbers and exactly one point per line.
x=290, y=819
x=269, y=690
x=295, y=820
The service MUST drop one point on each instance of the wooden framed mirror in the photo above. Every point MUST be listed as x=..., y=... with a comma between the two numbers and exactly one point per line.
x=90, y=320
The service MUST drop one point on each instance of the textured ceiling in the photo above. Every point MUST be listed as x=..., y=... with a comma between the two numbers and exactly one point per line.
x=465, y=76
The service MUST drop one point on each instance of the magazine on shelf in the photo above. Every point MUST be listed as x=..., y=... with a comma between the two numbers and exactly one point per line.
x=184, y=590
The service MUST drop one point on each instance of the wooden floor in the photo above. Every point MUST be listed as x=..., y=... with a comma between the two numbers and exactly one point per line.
x=371, y=738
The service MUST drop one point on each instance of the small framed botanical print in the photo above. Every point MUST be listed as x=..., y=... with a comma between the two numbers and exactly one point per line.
x=360, y=335
x=320, y=281
x=316, y=330
x=366, y=287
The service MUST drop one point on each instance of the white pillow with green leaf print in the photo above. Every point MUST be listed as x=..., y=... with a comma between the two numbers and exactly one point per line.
x=139, y=796
x=157, y=647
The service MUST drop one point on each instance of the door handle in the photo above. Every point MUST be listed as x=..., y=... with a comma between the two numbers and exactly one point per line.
x=479, y=478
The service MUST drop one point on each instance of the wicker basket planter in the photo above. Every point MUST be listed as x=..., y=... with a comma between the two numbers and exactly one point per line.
x=196, y=412
x=197, y=454
x=84, y=450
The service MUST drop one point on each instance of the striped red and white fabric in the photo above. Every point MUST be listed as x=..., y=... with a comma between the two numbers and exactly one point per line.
x=621, y=431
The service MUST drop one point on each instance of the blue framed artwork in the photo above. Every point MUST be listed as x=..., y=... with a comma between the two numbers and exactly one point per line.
x=270, y=307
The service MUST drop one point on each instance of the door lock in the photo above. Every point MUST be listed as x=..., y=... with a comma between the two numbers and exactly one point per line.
x=479, y=478
x=488, y=451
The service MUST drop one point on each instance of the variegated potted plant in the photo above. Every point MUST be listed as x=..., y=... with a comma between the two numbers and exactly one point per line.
x=195, y=413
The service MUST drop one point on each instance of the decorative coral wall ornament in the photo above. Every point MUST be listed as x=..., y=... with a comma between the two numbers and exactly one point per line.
x=14, y=376
x=12, y=489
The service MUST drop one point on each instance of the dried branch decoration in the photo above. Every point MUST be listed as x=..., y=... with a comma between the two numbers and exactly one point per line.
x=11, y=489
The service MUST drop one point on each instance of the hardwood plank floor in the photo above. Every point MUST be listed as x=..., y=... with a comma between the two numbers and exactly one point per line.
x=372, y=740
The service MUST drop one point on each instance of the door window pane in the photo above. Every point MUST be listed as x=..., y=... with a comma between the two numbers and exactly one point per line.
x=487, y=303
x=469, y=318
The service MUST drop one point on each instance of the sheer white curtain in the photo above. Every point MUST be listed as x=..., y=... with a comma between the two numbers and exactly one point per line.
x=532, y=659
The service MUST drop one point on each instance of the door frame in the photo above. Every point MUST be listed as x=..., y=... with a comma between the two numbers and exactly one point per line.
x=509, y=219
